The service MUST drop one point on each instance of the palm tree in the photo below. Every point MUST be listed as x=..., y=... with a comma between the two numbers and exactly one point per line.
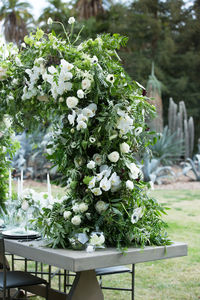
x=89, y=8
x=15, y=15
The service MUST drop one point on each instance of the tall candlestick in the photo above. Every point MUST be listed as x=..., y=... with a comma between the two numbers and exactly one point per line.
x=10, y=185
x=21, y=188
x=18, y=188
x=48, y=186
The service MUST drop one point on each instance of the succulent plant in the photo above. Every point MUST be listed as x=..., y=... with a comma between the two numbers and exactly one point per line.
x=192, y=165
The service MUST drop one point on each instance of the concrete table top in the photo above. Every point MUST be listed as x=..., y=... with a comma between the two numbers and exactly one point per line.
x=77, y=261
x=85, y=285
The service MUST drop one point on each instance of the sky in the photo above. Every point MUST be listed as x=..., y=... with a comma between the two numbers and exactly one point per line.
x=37, y=9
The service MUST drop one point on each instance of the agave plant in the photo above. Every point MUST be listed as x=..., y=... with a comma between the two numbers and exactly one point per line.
x=192, y=165
x=155, y=172
x=31, y=155
x=164, y=152
x=168, y=147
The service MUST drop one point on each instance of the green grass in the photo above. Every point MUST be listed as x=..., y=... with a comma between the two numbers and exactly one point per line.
x=172, y=279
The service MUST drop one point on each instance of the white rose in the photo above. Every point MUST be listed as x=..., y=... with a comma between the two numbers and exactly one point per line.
x=86, y=83
x=25, y=205
x=71, y=20
x=129, y=185
x=114, y=156
x=75, y=208
x=67, y=214
x=72, y=102
x=91, y=164
x=83, y=207
x=100, y=206
x=76, y=220
x=96, y=191
x=124, y=148
x=80, y=94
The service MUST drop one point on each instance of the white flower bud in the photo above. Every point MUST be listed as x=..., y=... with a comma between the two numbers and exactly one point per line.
x=124, y=148
x=80, y=94
x=49, y=21
x=129, y=185
x=67, y=214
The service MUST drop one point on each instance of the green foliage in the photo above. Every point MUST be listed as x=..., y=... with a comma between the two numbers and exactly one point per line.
x=98, y=129
x=7, y=150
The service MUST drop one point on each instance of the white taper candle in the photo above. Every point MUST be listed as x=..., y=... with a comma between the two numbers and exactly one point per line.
x=10, y=184
x=22, y=181
x=48, y=186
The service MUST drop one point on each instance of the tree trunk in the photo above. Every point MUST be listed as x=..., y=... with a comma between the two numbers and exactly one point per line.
x=89, y=8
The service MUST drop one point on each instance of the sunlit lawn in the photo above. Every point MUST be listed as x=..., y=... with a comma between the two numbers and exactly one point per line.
x=177, y=278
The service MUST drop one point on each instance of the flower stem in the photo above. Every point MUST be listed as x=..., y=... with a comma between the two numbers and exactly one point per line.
x=57, y=22
x=125, y=209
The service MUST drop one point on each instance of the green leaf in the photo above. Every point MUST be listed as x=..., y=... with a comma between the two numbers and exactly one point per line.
x=39, y=34
x=87, y=179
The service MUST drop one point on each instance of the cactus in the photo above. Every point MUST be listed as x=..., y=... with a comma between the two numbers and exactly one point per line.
x=178, y=122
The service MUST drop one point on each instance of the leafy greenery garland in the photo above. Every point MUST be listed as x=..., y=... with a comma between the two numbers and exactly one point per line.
x=98, y=116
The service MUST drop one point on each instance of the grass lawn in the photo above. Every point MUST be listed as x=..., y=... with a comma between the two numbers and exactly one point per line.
x=177, y=278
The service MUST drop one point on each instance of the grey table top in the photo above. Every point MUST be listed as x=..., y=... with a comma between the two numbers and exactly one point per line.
x=77, y=261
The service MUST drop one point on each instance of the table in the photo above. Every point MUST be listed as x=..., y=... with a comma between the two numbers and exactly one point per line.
x=85, y=286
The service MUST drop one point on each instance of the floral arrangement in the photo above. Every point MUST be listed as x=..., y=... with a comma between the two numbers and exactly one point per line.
x=98, y=116
x=22, y=209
